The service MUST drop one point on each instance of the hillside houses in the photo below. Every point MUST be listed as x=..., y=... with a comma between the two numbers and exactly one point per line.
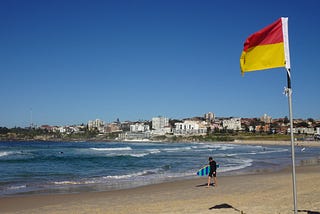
x=208, y=124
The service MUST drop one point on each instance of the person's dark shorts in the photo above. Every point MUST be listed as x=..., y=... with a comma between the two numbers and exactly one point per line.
x=212, y=173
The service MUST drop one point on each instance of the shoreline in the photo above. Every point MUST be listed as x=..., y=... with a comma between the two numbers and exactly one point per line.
x=253, y=193
x=277, y=143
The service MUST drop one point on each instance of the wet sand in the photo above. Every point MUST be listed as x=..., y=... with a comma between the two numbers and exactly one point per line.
x=268, y=192
x=279, y=143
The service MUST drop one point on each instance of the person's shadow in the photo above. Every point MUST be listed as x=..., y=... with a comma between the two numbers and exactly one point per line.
x=309, y=211
x=226, y=206
x=204, y=185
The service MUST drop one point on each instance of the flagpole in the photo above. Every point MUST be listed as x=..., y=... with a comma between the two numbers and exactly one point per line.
x=289, y=93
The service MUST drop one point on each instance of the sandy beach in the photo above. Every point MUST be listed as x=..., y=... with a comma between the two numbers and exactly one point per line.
x=268, y=192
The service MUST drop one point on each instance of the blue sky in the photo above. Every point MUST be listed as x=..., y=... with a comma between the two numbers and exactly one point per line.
x=67, y=62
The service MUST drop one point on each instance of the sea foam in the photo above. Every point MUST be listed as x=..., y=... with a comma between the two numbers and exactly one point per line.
x=113, y=149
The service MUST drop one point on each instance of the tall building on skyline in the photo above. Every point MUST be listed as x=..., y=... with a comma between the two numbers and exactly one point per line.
x=96, y=124
x=265, y=118
x=209, y=117
x=159, y=122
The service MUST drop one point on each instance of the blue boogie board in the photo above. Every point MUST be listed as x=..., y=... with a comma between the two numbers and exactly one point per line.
x=204, y=171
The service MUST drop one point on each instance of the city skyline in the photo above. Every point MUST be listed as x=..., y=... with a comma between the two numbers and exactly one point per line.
x=69, y=62
x=265, y=117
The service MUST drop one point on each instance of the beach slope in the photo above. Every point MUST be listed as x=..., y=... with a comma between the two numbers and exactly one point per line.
x=269, y=192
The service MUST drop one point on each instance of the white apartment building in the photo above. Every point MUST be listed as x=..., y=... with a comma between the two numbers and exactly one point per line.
x=232, y=124
x=96, y=124
x=139, y=127
x=302, y=130
x=135, y=136
x=62, y=129
x=265, y=118
x=160, y=122
x=190, y=127
x=162, y=131
x=209, y=117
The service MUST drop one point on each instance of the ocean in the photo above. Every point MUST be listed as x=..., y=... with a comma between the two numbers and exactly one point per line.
x=71, y=167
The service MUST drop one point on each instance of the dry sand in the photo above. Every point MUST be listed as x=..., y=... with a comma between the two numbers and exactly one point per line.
x=270, y=192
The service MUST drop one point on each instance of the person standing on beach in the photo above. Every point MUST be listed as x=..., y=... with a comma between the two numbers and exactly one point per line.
x=213, y=172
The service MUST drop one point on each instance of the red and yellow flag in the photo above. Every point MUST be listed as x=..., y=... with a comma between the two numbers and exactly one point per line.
x=267, y=48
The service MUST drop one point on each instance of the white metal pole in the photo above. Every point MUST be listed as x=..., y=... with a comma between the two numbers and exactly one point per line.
x=289, y=93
